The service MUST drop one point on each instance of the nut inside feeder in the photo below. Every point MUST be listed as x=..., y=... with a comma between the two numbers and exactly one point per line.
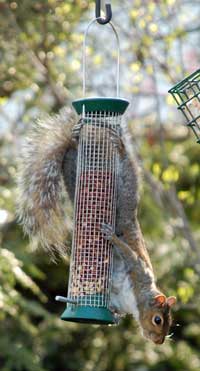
x=187, y=96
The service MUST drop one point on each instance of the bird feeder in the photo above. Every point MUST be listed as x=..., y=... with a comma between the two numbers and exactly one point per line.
x=187, y=96
x=95, y=204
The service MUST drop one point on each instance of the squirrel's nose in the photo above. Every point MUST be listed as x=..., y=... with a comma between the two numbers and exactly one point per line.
x=159, y=340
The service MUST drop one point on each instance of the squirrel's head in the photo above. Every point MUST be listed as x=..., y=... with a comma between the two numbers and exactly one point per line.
x=155, y=318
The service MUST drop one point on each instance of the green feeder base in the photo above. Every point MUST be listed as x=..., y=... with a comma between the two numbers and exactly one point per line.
x=88, y=314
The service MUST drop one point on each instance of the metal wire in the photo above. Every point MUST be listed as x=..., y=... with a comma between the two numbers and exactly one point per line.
x=84, y=56
x=187, y=96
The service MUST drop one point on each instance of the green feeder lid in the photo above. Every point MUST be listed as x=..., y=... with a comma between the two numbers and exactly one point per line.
x=116, y=105
x=88, y=314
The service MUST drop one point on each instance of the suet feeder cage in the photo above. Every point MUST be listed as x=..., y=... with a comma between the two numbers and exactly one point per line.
x=187, y=96
x=95, y=204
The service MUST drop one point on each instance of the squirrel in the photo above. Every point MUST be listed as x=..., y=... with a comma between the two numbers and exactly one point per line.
x=47, y=171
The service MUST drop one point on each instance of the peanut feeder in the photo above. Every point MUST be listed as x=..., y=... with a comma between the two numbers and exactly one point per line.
x=94, y=205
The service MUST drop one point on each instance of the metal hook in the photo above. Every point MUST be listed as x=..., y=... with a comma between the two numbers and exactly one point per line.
x=108, y=17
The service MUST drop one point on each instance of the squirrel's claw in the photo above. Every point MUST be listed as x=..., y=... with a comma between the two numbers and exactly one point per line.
x=117, y=142
x=76, y=129
x=108, y=232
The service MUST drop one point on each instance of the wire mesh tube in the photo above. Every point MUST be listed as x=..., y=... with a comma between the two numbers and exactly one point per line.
x=95, y=203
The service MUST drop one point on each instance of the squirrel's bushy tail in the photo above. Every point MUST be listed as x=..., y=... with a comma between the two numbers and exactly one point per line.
x=40, y=183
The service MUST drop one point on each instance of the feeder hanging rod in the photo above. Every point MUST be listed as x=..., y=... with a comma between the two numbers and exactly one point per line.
x=108, y=12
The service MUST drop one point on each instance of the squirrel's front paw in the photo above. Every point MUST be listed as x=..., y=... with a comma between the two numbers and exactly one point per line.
x=76, y=129
x=107, y=231
x=117, y=141
x=116, y=314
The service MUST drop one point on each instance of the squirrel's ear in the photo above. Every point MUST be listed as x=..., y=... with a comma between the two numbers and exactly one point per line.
x=171, y=300
x=160, y=299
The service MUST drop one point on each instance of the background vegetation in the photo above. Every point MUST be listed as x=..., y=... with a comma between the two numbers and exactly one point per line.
x=40, y=71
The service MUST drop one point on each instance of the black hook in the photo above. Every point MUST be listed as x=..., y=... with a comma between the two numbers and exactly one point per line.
x=108, y=17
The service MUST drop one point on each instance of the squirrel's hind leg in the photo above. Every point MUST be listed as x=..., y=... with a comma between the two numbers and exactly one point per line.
x=127, y=224
x=69, y=172
x=127, y=195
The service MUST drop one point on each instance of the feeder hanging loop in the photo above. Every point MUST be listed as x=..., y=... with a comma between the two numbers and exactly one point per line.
x=84, y=55
x=108, y=12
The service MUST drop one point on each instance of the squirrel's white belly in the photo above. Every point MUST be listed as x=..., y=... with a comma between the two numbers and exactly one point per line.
x=122, y=298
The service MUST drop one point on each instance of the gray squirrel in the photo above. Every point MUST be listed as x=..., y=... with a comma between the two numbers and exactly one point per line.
x=47, y=170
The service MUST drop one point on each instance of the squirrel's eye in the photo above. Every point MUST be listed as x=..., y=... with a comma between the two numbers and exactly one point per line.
x=157, y=320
